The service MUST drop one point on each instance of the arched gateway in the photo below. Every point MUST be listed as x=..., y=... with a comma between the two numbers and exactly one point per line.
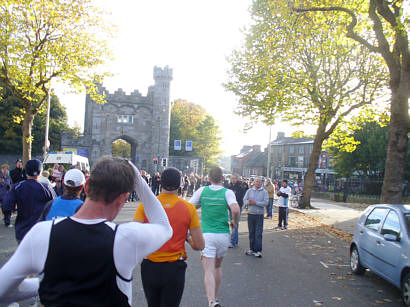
x=142, y=121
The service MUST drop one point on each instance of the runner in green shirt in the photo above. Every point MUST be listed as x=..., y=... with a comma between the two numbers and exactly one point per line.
x=215, y=201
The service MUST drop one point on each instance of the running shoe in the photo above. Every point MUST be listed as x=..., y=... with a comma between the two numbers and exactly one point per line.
x=257, y=254
x=214, y=304
x=249, y=252
x=277, y=228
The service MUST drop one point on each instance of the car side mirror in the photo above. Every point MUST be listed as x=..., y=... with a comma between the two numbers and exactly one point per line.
x=390, y=237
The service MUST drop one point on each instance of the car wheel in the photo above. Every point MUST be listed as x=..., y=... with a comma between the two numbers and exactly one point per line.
x=355, y=265
x=405, y=289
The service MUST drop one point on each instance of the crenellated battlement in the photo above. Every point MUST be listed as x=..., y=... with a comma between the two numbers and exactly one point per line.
x=162, y=73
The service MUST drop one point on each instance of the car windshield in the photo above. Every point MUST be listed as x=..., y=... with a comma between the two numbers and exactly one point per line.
x=407, y=216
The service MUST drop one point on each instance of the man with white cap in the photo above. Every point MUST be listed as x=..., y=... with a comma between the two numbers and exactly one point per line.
x=68, y=203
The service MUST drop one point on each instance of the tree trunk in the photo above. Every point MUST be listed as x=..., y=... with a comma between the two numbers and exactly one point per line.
x=309, y=179
x=392, y=190
x=26, y=131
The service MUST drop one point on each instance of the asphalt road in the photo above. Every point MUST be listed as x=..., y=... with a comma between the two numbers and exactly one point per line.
x=303, y=266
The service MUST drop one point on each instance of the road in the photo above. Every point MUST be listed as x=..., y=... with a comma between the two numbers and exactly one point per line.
x=303, y=266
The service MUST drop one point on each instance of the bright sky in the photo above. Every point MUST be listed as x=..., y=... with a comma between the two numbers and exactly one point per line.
x=193, y=38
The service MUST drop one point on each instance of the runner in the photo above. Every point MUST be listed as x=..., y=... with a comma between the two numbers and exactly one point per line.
x=30, y=196
x=69, y=203
x=215, y=201
x=86, y=259
x=163, y=272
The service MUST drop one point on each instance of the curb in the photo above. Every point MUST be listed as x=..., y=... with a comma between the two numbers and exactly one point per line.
x=339, y=233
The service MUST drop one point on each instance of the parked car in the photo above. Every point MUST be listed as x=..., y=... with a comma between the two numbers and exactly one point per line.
x=381, y=243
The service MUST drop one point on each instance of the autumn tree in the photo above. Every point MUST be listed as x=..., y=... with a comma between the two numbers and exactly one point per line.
x=380, y=27
x=10, y=127
x=45, y=40
x=191, y=122
x=292, y=68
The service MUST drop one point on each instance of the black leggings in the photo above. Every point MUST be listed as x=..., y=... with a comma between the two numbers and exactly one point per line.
x=163, y=282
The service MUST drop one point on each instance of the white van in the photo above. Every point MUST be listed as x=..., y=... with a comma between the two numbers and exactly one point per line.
x=67, y=160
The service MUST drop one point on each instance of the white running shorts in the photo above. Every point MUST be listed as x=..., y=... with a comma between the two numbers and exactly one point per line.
x=216, y=245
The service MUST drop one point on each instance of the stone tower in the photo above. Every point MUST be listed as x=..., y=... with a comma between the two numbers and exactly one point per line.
x=142, y=121
x=161, y=112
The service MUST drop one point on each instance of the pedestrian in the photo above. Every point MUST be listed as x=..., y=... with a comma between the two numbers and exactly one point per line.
x=30, y=197
x=68, y=203
x=215, y=200
x=155, y=184
x=283, y=204
x=17, y=174
x=44, y=178
x=257, y=199
x=5, y=185
x=271, y=194
x=87, y=260
x=59, y=177
x=163, y=272
x=239, y=188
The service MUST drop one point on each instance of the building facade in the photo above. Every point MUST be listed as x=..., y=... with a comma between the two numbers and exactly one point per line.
x=142, y=121
x=290, y=159
x=238, y=162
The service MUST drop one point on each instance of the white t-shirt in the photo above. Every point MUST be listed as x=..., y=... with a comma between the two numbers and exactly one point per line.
x=229, y=195
x=133, y=241
x=281, y=200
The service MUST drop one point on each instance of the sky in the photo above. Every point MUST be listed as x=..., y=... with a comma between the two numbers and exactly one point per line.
x=194, y=38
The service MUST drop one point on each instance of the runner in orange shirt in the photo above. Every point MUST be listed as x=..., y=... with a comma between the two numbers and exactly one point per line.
x=163, y=272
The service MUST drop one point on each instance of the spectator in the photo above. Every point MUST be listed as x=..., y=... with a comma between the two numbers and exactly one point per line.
x=271, y=193
x=5, y=185
x=283, y=204
x=17, y=174
x=257, y=199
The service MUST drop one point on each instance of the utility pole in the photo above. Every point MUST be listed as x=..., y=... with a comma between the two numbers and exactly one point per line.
x=268, y=170
x=46, y=141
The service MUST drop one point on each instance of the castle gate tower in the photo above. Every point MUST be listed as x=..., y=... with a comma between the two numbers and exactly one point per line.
x=143, y=122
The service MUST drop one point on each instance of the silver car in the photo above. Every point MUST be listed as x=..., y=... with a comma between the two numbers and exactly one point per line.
x=381, y=243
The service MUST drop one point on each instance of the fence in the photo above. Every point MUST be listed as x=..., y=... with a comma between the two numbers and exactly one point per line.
x=355, y=190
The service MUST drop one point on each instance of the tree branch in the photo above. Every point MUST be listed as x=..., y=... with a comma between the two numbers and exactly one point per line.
x=350, y=28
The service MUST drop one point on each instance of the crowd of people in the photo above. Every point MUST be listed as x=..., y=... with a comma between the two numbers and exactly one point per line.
x=84, y=258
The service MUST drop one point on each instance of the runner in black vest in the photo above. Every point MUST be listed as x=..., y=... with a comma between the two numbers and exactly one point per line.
x=87, y=260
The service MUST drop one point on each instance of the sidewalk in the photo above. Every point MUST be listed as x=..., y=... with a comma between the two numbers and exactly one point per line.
x=332, y=214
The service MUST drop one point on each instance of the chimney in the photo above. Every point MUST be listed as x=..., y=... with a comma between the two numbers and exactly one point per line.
x=256, y=148
x=281, y=135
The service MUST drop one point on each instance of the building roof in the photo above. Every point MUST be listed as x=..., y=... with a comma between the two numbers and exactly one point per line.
x=244, y=153
x=293, y=141
x=257, y=160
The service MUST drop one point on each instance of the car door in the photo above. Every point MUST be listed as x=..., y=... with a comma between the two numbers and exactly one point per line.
x=369, y=235
x=389, y=252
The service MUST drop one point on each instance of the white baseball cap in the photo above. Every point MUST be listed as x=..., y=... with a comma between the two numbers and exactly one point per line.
x=74, y=178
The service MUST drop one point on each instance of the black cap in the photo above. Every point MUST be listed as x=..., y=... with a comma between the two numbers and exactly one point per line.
x=18, y=160
x=170, y=179
x=34, y=167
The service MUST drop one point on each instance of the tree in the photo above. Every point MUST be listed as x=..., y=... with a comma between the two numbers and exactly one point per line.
x=369, y=155
x=10, y=126
x=45, y=40
x=389, y=28
x=190, y=122
x=121, y=148
x=292, y=68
